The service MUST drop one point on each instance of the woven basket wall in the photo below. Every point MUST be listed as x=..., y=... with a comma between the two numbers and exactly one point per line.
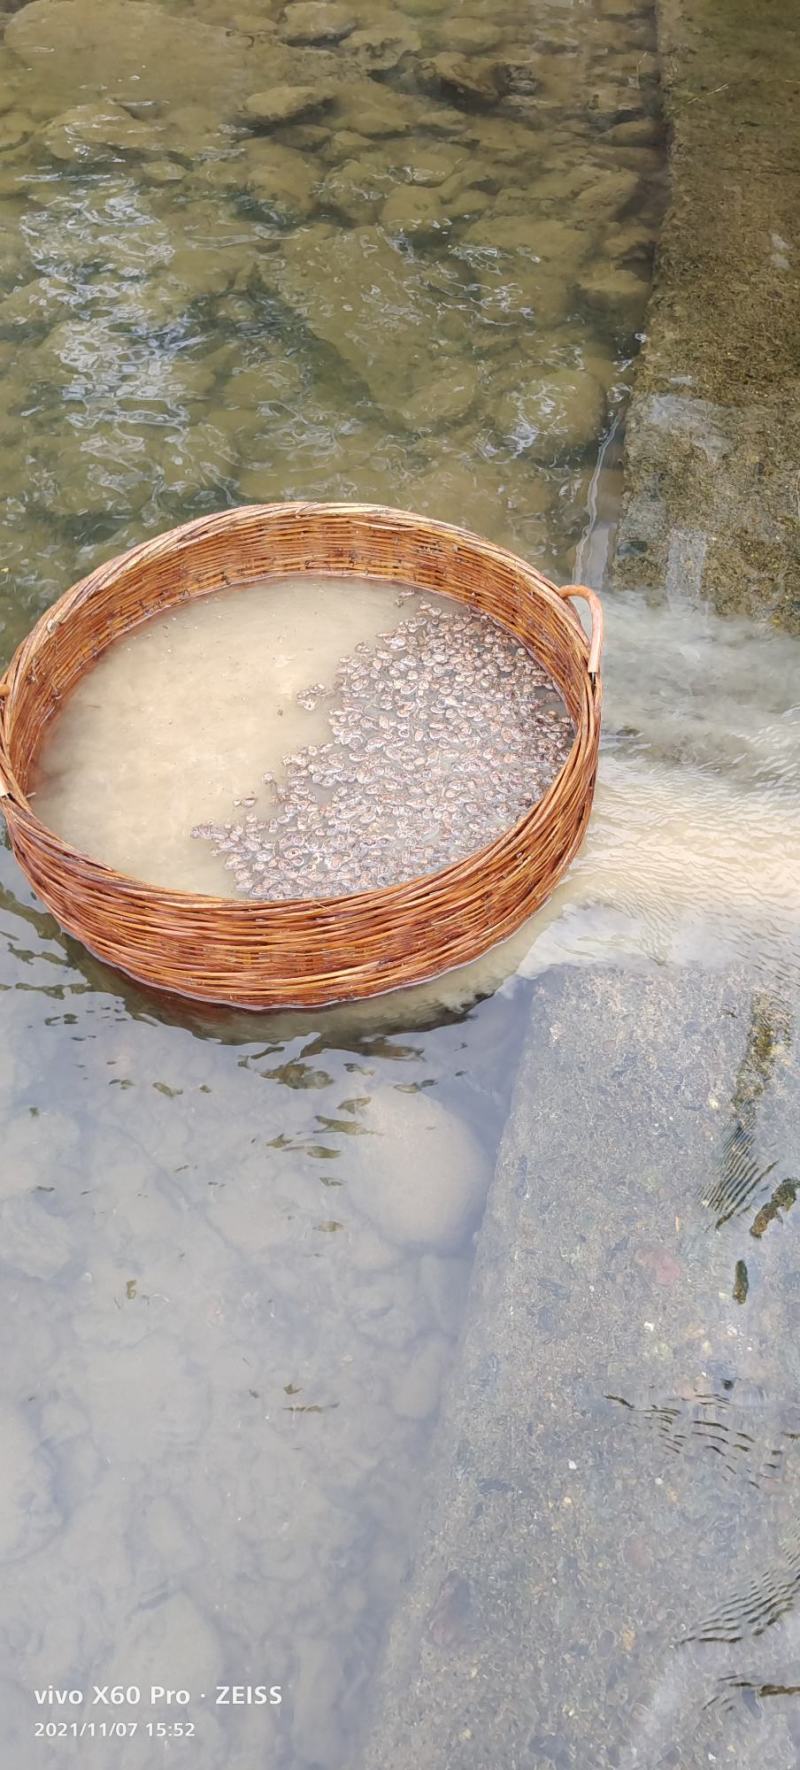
x=265, y=955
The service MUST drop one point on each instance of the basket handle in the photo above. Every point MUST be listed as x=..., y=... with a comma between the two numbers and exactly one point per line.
x=596, y=609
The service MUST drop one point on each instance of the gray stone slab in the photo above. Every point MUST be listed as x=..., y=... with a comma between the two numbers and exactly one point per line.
x=612, y=1499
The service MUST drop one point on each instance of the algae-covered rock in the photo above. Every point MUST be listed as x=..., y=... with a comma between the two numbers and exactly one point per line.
x=468, y=36
x=307, y=137
x=644, y=131
x=279, y=178
x=201, y=271
x=523, y=78
x=410, y=210
x=608, y=195
x=112, y=467
x=430, y=162
x=443, y=398
x=425, y=8
x=616, y=292
x=454, y=491
x=523, y=265
x=615, y=103
x=546, y=238
x=629, y=242
x=275, y=379
x=360, y=296
x=317, y=21
x=356, y=189
x=374, y=110
x=164, y=172
x=34, y=305
x=469, y=204
x=471, y=78
x=383, y=41
x=129, y=50
x=92, y=131
x=203, y=458
x=553, y=414
x=420, y=1177
x=15, y=126
x=283, y=104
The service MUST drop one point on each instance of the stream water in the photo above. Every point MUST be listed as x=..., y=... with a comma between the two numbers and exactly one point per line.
x=338, y=251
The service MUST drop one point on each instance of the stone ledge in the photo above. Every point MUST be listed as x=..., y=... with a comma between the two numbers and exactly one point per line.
x=713, y=457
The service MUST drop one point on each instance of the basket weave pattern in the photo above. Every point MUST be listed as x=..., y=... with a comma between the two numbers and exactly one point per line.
x=264, y=955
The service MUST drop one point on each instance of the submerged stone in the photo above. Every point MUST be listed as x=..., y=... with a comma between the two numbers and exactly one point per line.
x=14, y=127
x=608, y=195
x=317, y=21
x=465, y=36
x=638, y=132
x=430, y=162
x=163, y=172
x=446, y=397
x=276, y=378
x=374, y=110
x=279, y=178
x=361, y=297
x=356, y=189
x=473, y=79
x=126, y=49
x=282, y=104
x=546, y=238
x=202, y=458
x=307, y=137
x=412, y=211
x=420, y=1176
x=629, y=243
x=34, y=305
x=616, y=292
x=469, y=204
x=91, y=131
x=383, y=41
x=28, y=1510
x=554, y=414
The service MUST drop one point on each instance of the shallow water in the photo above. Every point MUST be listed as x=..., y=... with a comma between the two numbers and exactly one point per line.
x=225, y=1324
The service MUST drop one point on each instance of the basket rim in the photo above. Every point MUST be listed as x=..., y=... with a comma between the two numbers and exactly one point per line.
x=11, y=795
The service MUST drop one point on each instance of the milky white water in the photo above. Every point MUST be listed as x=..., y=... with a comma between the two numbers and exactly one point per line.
x=183, y=717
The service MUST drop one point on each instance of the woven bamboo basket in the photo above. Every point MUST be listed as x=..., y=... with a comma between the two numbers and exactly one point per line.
x=300, y=953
